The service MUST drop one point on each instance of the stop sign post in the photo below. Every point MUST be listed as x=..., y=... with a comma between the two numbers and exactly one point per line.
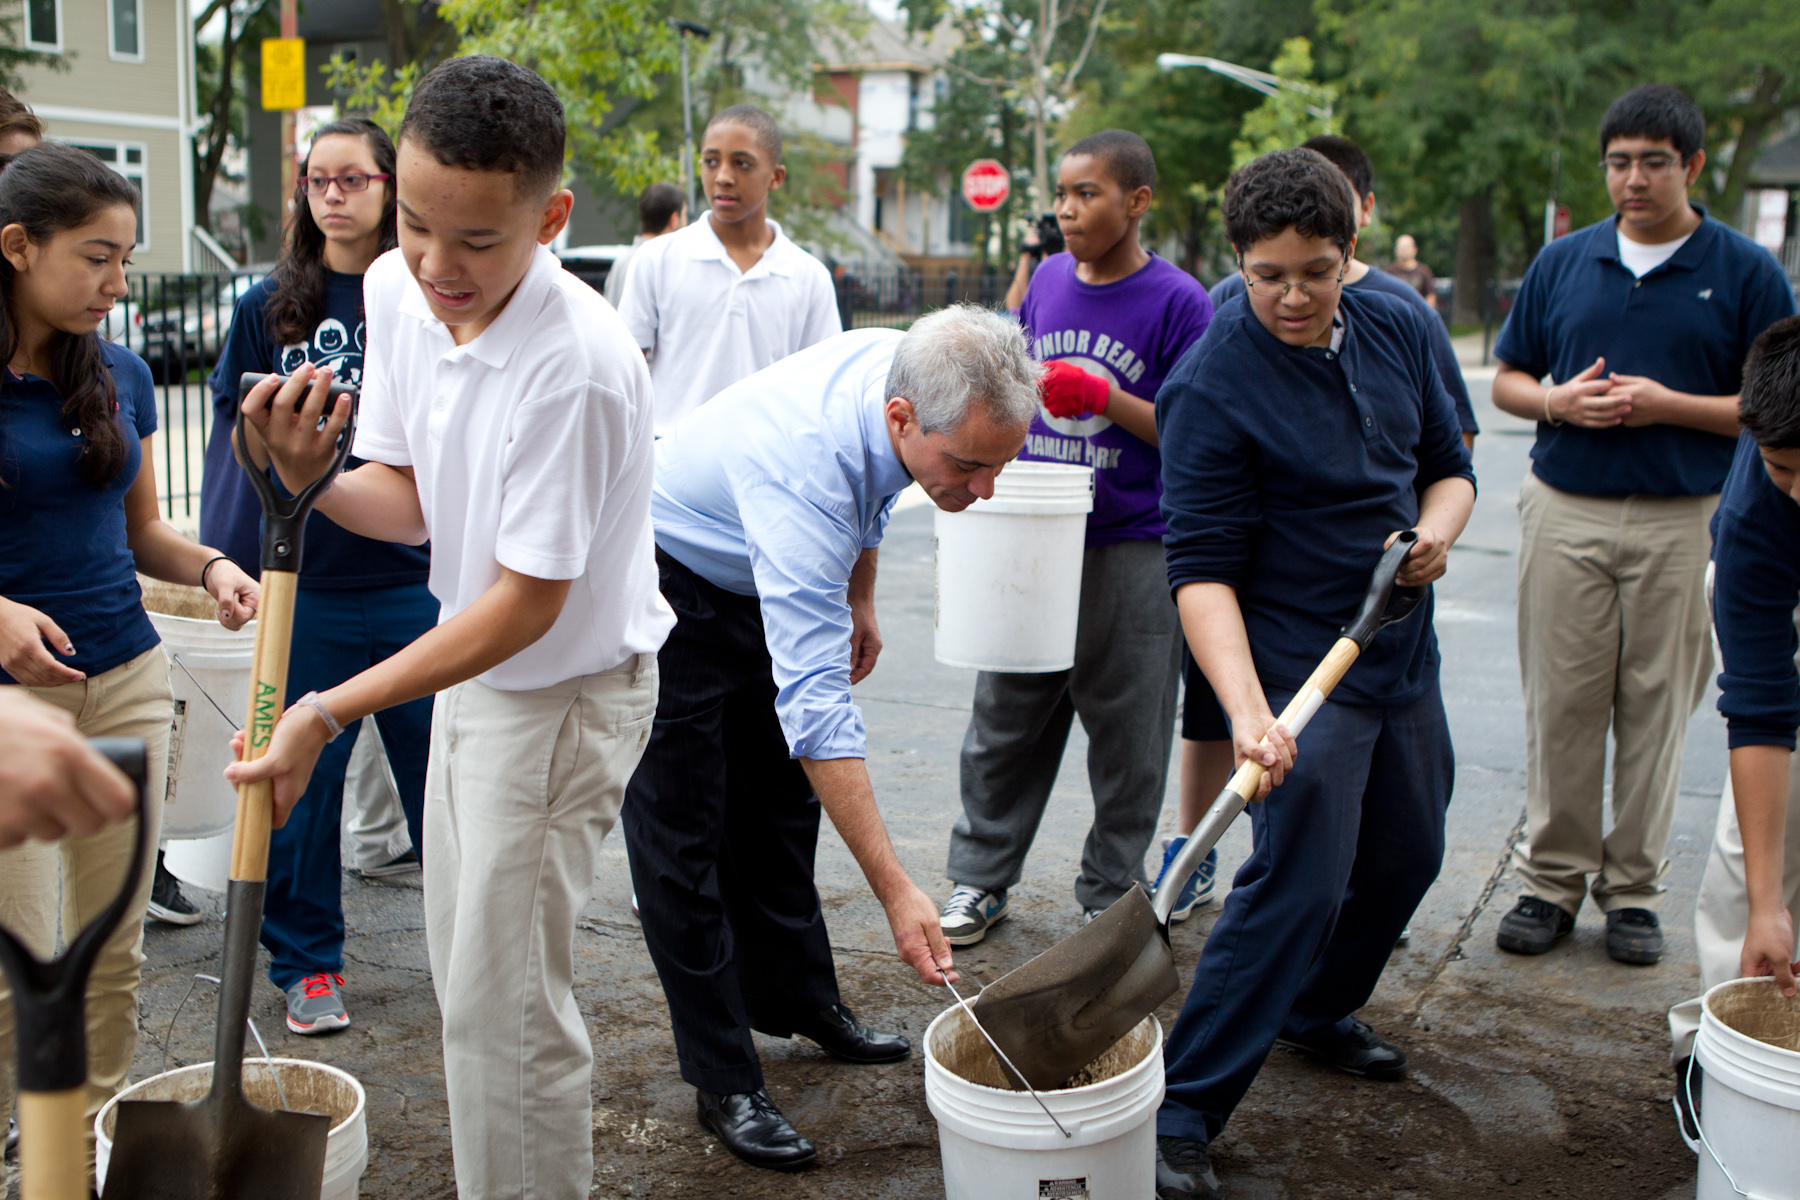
x=986, y=185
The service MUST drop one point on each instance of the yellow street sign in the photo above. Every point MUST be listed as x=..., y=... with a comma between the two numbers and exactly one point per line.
x=283, y=73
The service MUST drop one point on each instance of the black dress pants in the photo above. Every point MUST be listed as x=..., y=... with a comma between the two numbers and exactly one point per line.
x=721, y=827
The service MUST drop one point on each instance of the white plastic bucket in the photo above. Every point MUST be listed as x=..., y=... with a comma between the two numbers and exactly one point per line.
x=205, y=862
x=310, y=1086
x=1750, y=1097
x=998, y=1144
x=200, y=802
x=1009, y=571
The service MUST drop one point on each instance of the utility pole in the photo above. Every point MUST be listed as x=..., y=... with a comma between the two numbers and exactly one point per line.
x=682, y=30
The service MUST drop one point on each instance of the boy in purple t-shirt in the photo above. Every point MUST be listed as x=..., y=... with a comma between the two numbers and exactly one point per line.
x=1111, y=320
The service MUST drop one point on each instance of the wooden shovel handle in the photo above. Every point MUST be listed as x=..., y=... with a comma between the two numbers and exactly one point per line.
x=268, y=699
x=1300, y=710
x=53, y=1145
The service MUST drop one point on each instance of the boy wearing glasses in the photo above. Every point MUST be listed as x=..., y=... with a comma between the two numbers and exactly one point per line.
x=1306, y=430
x=1639, y=325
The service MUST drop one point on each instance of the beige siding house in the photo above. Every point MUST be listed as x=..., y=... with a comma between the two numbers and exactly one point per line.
x=128, y=96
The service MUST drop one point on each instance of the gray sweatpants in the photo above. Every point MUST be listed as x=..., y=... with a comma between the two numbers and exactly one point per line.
x=1127, y=662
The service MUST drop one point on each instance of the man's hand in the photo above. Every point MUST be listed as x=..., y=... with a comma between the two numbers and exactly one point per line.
x=238, y=594
x=23, y=632
x=1258, y=738
x=1645, y=401
x=298, y=423
x=52, y=783
x=1587, y=400
x=1768, y=944
x=289, y=761
x=1426, y=562
x=919, y=935
x=865, y=641
x=1070, y=392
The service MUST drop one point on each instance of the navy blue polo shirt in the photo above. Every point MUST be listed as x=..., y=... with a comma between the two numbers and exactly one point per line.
x=1286, y=468
x=62, y=542
x=230, y=514
x=1756, y=587
x=1442, y=352
x=1688, y=325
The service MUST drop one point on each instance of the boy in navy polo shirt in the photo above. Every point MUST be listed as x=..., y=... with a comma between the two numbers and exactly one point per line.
x=1750, y=893
x=1111, y=319
x=1306, y=431
x=1641, y=324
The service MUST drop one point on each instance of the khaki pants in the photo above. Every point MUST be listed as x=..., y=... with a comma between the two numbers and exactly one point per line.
x=73, y=880
x=1612, y=633
x=521, y=790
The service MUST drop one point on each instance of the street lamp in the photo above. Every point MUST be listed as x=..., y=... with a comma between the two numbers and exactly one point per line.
x=1261, y=81
x=682, y=29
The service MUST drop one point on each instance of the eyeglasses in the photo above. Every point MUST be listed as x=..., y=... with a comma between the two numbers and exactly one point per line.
x=352, y=181
x=1277, y=289
x=1652, y=164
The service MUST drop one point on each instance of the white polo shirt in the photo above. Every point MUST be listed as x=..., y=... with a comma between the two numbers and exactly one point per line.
x=705, y=324
x=531, y=448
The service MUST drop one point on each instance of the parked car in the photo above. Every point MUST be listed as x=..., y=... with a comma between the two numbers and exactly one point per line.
x=187, y=329
x=592, y=264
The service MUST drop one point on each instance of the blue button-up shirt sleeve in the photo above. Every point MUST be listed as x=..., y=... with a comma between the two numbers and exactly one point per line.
x=801, y=556
x=1211, y=501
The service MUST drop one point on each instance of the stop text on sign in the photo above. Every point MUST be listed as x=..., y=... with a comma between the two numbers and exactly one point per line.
x=986, y=185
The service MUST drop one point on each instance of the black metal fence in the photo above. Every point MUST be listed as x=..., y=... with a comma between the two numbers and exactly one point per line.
x=896, y=298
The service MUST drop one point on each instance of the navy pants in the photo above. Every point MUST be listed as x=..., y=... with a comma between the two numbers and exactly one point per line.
x=721, y=827
x=1344, y=851
x=336, y=635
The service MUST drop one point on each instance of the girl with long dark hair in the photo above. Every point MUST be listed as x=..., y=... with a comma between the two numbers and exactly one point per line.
x=78, y=520
x=359, y=601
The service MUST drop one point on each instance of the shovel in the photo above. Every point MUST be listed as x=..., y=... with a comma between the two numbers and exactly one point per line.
x=1066, y=1007
x=49, y=1000
x=221, y=1146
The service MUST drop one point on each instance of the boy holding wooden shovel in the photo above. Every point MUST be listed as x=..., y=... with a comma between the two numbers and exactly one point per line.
x=1307, y=429
x=506, y=415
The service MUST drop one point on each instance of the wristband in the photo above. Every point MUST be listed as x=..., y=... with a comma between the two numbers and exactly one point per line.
x=1548, y=419
x=209, y=562
x=312, y=701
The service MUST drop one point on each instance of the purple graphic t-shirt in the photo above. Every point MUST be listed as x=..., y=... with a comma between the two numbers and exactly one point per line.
x=1131, y=333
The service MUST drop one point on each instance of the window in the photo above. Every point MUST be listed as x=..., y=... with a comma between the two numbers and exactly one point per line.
x=127, y=30
x=127, y=158
x=43, y=25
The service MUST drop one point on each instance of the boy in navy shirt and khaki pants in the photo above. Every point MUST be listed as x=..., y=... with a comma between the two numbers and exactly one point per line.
x=1642, y=322
x=1305, y=432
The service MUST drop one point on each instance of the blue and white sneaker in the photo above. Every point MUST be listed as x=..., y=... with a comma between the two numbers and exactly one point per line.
x=970, y=913
x=1198, y=889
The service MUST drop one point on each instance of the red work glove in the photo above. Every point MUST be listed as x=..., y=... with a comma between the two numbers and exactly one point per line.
x=1070, y=392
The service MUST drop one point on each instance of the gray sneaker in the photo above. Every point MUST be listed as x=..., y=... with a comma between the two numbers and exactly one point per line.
x=1184, y=1170
x=406, y=864
x=316, y=1006
x=970, y=913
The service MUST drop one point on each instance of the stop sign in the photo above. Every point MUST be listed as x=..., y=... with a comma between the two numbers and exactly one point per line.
x=986, y=185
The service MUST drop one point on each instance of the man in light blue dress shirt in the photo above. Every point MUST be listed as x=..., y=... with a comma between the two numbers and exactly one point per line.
x=769, y=503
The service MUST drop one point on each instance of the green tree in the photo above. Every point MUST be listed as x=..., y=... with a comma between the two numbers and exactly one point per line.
x=12, y=57
x=1289, y=116
x=219, y=85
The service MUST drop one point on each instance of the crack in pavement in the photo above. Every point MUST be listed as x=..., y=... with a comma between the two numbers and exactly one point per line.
x=1453, y=952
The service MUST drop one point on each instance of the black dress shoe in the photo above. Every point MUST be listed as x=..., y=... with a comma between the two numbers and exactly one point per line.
x=1361, y=1052
x=1533, y=926
x=841, y=1035
x=1634, y=935
x=751, y=1127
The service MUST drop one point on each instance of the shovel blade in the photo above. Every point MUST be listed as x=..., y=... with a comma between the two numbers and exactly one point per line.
x=1066, y=1007
x=215, y=1148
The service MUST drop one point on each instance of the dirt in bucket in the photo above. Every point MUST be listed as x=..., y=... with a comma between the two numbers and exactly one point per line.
x=174, y=600
x=1756, y=1009
x=961, y=1050
x=308, y=1089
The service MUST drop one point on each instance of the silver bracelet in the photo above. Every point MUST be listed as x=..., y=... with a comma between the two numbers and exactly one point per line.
x=311, y=700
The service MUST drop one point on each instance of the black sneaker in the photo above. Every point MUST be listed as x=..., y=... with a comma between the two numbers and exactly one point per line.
x=1688, y=1077
x=1633, y=935
x=1184, y=1170
x=1361, y=1052
x=167, y=904
x=405, y=864
x=1533, y=926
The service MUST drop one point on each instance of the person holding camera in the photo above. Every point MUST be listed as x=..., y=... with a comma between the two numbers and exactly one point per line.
x=1043, y=239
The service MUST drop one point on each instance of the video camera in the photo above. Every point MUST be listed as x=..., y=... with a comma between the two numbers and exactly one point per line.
x=1050, y=237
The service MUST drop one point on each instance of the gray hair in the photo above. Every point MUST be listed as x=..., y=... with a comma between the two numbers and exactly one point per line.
x=961, y=355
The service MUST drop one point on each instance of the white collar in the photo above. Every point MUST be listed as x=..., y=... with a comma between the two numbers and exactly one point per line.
x=708, y=247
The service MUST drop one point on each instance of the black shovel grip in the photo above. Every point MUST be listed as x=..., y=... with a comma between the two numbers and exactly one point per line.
x=49, y=998
x=284, y=517
x=1383, y=603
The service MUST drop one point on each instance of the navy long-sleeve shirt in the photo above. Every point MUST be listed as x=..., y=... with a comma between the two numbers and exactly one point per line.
x=1286, y=468
x=1756, y=587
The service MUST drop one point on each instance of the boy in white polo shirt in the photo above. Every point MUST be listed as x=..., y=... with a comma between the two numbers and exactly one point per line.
x=729, y=294
x=506, y=415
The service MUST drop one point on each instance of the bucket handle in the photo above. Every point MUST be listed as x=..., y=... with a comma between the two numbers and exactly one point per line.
x=976, y=1021
x=1700, y=1126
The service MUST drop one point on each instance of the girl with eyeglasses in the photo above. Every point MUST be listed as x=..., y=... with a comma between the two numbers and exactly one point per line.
x=359, y=600
x=78, y=520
